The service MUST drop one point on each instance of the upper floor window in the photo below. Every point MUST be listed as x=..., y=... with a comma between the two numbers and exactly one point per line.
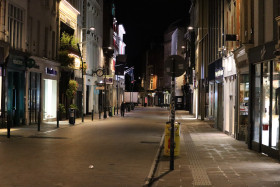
x=15, y=24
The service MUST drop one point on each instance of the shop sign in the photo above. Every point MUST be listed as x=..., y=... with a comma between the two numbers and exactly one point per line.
x=219, y=72
x=100, y=88
x=231, y=37
x=108, y=79
x=18, y=62
x=31, y=63
x=51, y=71
x=262, y=52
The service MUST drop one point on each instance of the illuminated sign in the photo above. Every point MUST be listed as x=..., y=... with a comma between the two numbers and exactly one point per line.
x=219, y=72
x=51, y=71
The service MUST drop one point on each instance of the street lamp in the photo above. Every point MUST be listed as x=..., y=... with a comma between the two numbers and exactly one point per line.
x=108, y=52
x=78, y=44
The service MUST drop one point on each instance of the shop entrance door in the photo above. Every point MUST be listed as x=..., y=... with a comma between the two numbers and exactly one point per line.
x=34, y=97
x=15, y=97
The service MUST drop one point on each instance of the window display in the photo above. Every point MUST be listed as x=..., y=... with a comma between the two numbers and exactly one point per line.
x=275, y=105
x=257, y=103
x=50, y=99
x=265, y=103
x=244, y=106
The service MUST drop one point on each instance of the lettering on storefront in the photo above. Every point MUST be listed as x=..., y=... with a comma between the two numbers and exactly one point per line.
x=219, y=73
x=51, y=71
x=17, y=62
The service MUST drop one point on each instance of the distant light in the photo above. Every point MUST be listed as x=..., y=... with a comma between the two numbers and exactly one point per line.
x=92, y=28
x=183, y=47
x=109, y=47
x=190, y=28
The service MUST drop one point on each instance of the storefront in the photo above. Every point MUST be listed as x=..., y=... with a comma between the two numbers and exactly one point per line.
x=265, y=103
x=219, y=104
x=242, y=92
x=15, y=88
x=229, y=94
x=211, y=79
x=33, y=91
x=50, y=90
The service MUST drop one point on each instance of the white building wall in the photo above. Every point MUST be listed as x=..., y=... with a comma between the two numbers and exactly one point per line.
x=229, y=94
x=94, y=53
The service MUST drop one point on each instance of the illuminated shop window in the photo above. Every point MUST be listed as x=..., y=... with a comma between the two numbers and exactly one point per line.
x=50, y=99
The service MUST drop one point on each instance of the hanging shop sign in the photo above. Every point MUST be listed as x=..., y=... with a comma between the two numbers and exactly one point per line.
x=231, y=37
x=51, y=71
x=219, y=73
x=108, y=79
x=31, y=63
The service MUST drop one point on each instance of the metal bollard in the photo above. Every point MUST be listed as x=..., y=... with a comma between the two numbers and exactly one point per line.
x=92, y=113
x=39, y=121
x=8, y=126
x=57, y=119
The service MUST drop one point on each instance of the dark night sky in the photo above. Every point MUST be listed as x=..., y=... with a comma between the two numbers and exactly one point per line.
x=146, y=21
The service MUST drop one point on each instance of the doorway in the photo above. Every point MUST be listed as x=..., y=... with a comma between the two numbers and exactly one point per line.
x=15, y=97
x=34, y=97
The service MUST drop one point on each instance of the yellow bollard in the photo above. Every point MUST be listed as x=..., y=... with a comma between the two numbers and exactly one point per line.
x=176, y=139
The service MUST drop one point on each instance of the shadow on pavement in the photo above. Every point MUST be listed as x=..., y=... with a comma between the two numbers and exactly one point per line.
x=159, y=177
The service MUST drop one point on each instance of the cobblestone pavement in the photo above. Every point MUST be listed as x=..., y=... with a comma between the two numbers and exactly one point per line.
x=209, y=157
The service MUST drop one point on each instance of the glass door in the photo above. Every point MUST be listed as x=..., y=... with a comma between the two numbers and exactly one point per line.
x=275, y=106
x=257, y=104
x=34, y=97
x=265, y=103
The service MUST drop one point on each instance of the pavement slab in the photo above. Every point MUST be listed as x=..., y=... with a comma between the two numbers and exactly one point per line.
x=209, y=157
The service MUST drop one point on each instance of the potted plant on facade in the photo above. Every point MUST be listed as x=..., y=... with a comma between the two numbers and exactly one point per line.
x=71, y=91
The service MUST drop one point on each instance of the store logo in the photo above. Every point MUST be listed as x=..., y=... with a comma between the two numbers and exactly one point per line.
x=51, y=71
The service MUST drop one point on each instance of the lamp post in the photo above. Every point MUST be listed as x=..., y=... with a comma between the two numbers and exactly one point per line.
x=78, y=44
x=105, y=95
x=108, y=52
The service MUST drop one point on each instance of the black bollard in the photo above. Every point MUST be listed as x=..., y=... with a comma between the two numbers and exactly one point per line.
x=92, y=113
x=39, y=120
x=57, y=119
x=8, y=126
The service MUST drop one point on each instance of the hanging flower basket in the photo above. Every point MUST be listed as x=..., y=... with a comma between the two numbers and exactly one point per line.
x=84, y=67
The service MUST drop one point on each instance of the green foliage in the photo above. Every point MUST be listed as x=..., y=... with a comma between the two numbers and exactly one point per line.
x=61, y=108
x=67, y=41
x=84, y=67
x=65, y=59
x=74, y=107
x=72, y=89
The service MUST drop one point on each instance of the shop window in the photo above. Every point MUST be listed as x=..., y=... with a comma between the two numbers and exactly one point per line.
x=275, y=105
x=257, y=103
x=50, y=102
x=265, y=103
x=244, y=106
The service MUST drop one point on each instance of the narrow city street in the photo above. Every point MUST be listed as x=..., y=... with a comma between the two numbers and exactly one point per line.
x=122, y=152
x=108, y=152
